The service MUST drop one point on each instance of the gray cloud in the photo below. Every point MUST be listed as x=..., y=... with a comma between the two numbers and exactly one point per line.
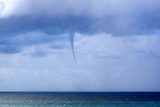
x=105, y=63
x=87, y=17
x=116, y=44
x=114, y=16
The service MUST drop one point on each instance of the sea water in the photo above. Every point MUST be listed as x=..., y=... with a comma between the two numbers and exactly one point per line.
x=83, y=99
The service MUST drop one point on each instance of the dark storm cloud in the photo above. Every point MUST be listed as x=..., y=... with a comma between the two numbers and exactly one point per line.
x=118, y=18
x=46, y=24
x=116, y=45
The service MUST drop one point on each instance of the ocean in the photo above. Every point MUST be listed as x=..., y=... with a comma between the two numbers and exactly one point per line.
x=79, y=99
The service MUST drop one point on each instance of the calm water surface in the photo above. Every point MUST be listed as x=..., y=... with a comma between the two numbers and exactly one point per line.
x=79, y=99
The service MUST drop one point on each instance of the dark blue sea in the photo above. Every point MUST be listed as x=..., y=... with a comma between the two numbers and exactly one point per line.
x=79, y=99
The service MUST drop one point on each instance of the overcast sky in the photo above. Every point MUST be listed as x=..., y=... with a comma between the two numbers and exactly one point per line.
x=117, y=45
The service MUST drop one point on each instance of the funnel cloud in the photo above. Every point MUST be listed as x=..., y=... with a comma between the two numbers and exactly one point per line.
x=71, y=34
x=117, y=43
